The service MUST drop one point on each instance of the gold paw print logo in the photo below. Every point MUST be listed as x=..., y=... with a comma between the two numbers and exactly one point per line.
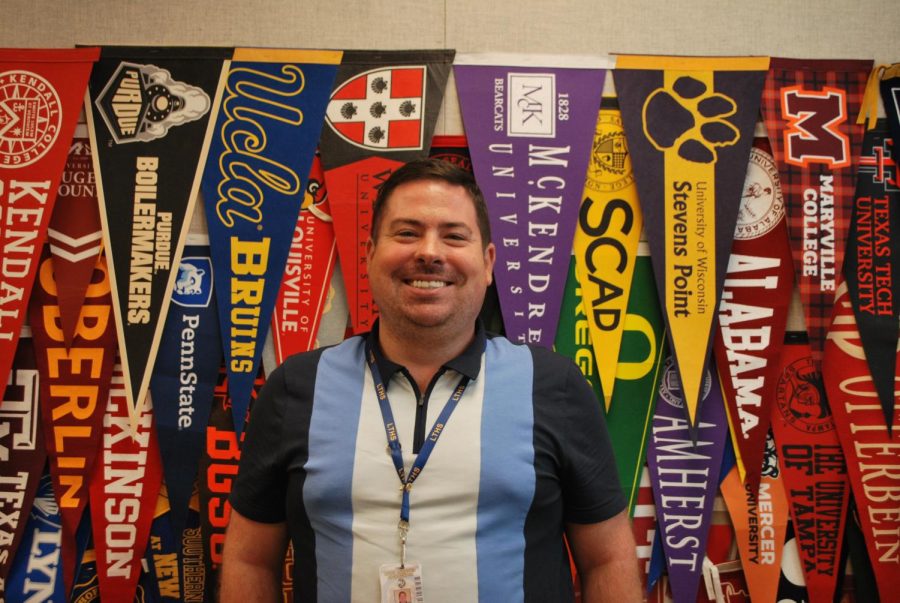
x=691, y=119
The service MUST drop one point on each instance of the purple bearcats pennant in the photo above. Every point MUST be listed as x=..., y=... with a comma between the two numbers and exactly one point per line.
x=530, y=125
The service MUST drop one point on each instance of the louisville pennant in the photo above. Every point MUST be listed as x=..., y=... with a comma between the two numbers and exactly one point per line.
x=810, y=108
x=529, y=121
x=689, y=124
x=40, y=97
x=148, y=114
x=813, y=466
x=870, y=447
x=382, y=114
x=753, y=311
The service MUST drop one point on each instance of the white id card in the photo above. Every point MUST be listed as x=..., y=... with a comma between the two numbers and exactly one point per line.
x=401, y=584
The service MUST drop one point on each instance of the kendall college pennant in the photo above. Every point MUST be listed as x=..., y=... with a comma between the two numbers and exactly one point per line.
x=810, y=109
x=260, y=157
x=689, y=124
x=530, y=122
x=40, y=97
x=381, y=114
x=149, y=115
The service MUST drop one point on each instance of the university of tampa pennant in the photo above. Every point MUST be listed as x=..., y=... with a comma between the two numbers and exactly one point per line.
x=689, y=124
x=753, y=311
x=530, y=121
x=684, y=472
x=148, y=114
x=382, y=114
x=185, y=375
x=259, y=160
x=123, y=493
x=74, y=385
x=22, y=452
x=809, y=108
x=890, y=97
x=306, y=290
x=870, y=447
x=40, y=97
x=871, y=264
x=606, y=241
x=813, y=466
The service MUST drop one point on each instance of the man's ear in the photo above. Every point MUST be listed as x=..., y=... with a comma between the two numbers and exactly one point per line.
x=370, y=249
x=490, y=257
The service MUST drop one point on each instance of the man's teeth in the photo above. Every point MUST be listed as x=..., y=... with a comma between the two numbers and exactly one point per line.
x=428, y=284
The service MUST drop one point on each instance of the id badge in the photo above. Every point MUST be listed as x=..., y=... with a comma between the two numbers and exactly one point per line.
x=401, y=584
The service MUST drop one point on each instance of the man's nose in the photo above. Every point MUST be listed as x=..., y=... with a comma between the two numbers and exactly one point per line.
x=430, y=248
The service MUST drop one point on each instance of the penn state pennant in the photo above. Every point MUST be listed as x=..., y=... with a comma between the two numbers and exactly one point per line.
x=870, y=447
x=40, y=97
x=185, y=375
x=809, y=108
x=149, y=116
x=606, y=240
x=529, y=121
x=753, y=311
x=262, y=150
x=381, y=114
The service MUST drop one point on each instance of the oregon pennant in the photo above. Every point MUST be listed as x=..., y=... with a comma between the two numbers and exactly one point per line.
x=573, y=338
x=606, y=241
x=40, y=98
x=753, y=311
x=810, y=108
x=382, y=114
x=870, y=447
x=689, y=124
x=529, y=121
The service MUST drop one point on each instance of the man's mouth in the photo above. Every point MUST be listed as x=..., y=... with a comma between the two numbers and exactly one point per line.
x=420, y=284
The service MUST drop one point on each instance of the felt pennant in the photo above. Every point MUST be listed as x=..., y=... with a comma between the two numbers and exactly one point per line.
x=573, y=338
x=174, y=559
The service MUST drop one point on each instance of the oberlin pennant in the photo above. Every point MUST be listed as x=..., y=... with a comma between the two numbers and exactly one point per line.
x=306, y=292
x=753, y=311
x=174, y=559
x=22, y=452
x=530, y=122
x=689, y=124
x=871, y=267
x=639, y=369
x=75, y=234
x=870, y=448
x=149, y=116
x=684, y=472
x=813, y=466
x=890, y=97
x=74, y=385
x=381, y=114
x=40, y=97
x=810, y=108
x=260, y=157
x=185, y=375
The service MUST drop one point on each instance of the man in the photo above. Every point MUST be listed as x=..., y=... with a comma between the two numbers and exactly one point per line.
x=502, y=447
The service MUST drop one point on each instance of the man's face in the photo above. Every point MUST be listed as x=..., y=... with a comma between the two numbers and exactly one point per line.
x=428, y=267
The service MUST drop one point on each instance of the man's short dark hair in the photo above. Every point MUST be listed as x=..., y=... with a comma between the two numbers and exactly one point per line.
x=441, y=171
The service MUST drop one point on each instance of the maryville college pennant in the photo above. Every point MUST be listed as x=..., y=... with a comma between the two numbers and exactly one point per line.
x=382, y=114
x=530, y=122
x=148, y=115
x=260, y=157
x=753, y=311
x=40, y=97
x=869, y=446
x=810, y=108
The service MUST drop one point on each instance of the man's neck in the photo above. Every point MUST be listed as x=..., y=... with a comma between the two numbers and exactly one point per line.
x=422, y=351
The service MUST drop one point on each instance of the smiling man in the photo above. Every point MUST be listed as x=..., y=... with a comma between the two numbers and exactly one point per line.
x=428, y=455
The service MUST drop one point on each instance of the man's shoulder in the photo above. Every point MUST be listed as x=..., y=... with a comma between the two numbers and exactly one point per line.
x=545, y=360
x=303, y=364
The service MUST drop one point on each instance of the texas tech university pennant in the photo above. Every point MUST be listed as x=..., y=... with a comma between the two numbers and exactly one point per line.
x=871, y=449
x=381, y=114
x=753, y=311
x=689, y=124
x=810, y=109
x=40, y=97
x=530, y=122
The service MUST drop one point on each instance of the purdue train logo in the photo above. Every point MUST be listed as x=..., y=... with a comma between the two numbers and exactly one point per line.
x=141, y=103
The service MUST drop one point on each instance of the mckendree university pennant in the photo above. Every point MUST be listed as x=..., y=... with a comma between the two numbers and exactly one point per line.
x=40, y=97
x=149, y=113
x=689, y=125
x=381, y=114
x=260, y=157
x=530, y=122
